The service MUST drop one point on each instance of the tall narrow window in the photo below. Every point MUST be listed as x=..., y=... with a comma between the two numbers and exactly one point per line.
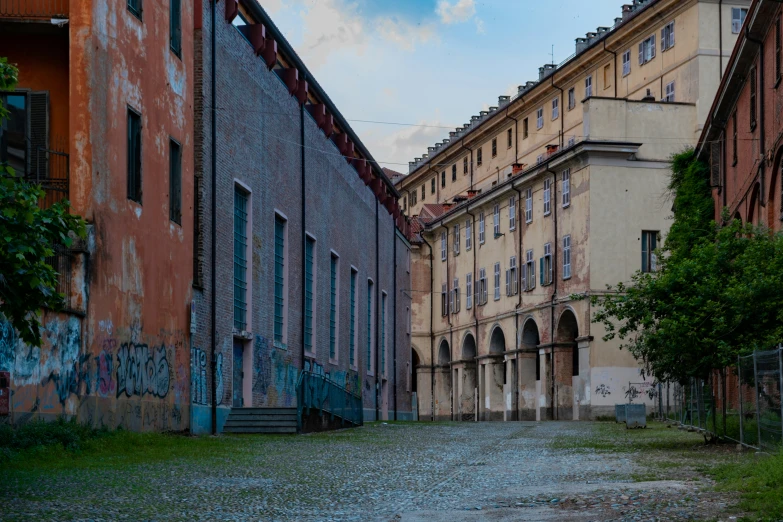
x=352, y=320
x=482, y=290
x=383, y=333
x=627, y=63
x=494, y=147
x=309, y=302
x=134, y=155
x=753, y=99
x=588, y=86
x=571, y=98
x=566, y=189
x=525, y=132
x=778, y=72
x=442, y=180
x=469, y=291
x=547, y=197
x=333, y=306
x=465, y=165
x=509, y=138
x=513, y=288
x=240, y=258
x=456, y=239
x=529, y=274
x=546, y=265
x=669, y=96
x=369, y=324
x=649, y=244
x=497, y=281
x=512, y=213
x=443, y=246
x=454, y=173
x=555, y=108
x=540, y=118
x=281, y=299
x=738, y=15
x=567, y=257
x=734, y=138
x=478, y=157
x=529, y=205
x=481, y=229
x=134, y=6
x=432, y=186
x=667, y=37
x=468, y=234
x=496, y=220
x=175, y=182
x=444, y=300
x=175, y=27
x=456, y=298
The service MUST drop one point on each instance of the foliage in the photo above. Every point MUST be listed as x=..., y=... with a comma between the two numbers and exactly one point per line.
x=28, y=234
x=717, y=292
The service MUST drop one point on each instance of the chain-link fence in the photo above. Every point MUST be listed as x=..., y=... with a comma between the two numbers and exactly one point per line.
x=741, y=403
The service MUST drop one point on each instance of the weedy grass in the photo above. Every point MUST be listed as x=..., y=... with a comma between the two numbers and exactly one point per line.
x=759, y=479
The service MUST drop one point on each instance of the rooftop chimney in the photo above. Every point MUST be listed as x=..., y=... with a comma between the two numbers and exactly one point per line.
x=581, y=45
x=411, y=166
x=648, y=97
x=627, y=11
x=492, y=109
x=430, y=149
x=546, y=70
x=503, y=100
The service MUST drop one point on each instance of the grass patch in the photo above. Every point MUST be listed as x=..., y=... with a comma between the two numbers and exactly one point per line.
x=760, y=483
x=613, y=437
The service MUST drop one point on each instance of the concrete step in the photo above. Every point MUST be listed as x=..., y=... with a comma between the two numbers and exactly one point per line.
x=260, y=423
x=264, y=411
x=258, y=417
x=270, y=429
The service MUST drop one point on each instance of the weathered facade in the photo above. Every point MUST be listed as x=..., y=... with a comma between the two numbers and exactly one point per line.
x=102, y=116
x=545, y=200
x=743, y=137
x=312, y=266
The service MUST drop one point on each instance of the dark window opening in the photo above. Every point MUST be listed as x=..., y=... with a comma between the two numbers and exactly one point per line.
x=134, y=155
x=524, y=129
x=175, y=182
x=134, y=6
x=753, y=99
x=175, y=27
x=454, y=173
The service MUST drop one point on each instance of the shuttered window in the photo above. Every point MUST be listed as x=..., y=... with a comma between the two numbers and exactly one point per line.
x=333, y=307
x=309, y=293
x=497, y=281
x=566, y=189
x=280, y=275
x=175, y=182
x=567, y=257
x=469, y=291
x=175, y=27
x=134, y=155
x=240, y=258
x=649, y=244
x=468, y=235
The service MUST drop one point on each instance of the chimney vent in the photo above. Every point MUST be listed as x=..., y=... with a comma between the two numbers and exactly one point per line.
x=649, y=97
x=581, y=45
x=503, y=100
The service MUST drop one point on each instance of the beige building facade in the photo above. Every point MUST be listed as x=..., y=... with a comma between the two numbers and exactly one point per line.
x=545, y=200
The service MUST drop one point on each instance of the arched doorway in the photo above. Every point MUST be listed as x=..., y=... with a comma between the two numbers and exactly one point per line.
x=466, y=380
x=443, y=398
x=494, y=375
x=566, y=365
x=529, y=372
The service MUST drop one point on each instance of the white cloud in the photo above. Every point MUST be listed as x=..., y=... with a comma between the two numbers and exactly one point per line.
x=480, y=26
x=402, y=34
x=408, y=143
x=459, y=11
x=271, y=6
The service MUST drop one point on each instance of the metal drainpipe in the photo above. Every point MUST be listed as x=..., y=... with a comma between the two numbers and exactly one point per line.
x=394, y=321
x=519, y=291
x=304, y=224
x=377, y=309
x=474, y=248
x=763, y=145
x=213, y=225
x=448, y=318
x=554, y=282
x=615, y=66
x=432, y=340
x=720, y=41
x=561, y=115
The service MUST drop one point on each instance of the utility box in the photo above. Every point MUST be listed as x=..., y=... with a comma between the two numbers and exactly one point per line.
x=619, y=412
x=5, y=393
x=635, y=416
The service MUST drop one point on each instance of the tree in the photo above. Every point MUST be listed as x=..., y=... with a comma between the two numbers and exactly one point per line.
x=28, y=234
x=717, y=292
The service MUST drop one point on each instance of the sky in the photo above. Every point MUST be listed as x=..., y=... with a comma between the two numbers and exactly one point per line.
x=429, y=64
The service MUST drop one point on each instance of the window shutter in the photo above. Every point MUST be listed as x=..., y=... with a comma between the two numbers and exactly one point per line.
x=541, y=270
x=652, y=47
x=671, y=35
x=663, y=39
x=644, y=252
x=641, y=53
x=715, y=157
x=39, y=132
x=457, y=297
x=508, y=283
x=551, y=274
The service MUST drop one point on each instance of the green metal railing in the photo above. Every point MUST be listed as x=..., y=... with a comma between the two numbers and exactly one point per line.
x=318, y=392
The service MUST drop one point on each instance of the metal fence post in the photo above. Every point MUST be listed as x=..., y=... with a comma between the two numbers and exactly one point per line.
x=739, y=395
x=758, y=409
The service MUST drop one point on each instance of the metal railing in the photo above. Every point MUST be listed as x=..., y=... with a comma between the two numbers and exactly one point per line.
x=38, y=9
x=62, y=261
x=315, y=391
x=52, y=173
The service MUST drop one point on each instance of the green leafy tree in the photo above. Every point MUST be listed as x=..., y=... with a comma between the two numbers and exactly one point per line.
x=28, y=234
x=717, y=292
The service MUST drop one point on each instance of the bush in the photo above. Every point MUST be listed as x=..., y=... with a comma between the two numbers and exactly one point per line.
x=37, y=433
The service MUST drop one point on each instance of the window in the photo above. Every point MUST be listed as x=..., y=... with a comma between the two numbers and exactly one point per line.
x=627, y=62
x=134, y=6
x=669, y=97
x=175, y=182
x=497, y=281
x=738, y=15
x=468, y=234
x=454, y=172
x=734, y=138
x=408, y=320
x=753, y=99
x=432, y=186
x=469, y=291
x=443, y=246
x=465, y=165
x=423, y=192
x=482, y=290
x=494, y=147
x=547, y=197
x=647, y=50
x=511, y=277
x=240, y=258
x=404, y=203
x=444, y=310
x=778, y=72
x=546, y=265
x=352, y=320
x=529, y=205
x=509, y=138
x=281, y=277
x=566, y=187
x=512, y=213
x=455, y=297
x=309, y=297
x=607, y=76
x=524, y=129
x=334, y=295
x=175, y=27
x=496, y=220
x=529, y=273
x=442, y=180
x=383, y=333
x=481, y=228
x=369, y=325
x=134, y=155
x=567, y=257
x=456, y=239
x=588, y=86
x=17, y=138
x=478, y=157
x=649, y=244
x=667, y=37
x=540, y=118
x=555, y=108
x=571, y=98
x=414, y=198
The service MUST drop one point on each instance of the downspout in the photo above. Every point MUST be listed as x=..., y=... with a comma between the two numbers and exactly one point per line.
x=304, y=224
x=213, y=225
x=561, y=115
x=448, y=318
x=554, y=283
x=378, y=310
x=432, y=340
x=763, y=144
x=720, y=41
x=615, y=67
x=394, y=321
x=519, y=291
x=474, y=247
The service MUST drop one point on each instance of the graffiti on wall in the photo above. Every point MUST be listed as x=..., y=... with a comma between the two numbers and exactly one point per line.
x=348, y=380
x=198, y=376
x=7, y=346
x=142, y=371
x=104, y=363
x=274, y=374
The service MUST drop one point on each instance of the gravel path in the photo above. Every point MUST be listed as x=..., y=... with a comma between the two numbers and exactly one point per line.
x=407, y=472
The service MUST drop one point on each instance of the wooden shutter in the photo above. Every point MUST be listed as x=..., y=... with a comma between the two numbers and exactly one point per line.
x=715, y=157
x=541, y=270
x=39, y=133
x=641, y=53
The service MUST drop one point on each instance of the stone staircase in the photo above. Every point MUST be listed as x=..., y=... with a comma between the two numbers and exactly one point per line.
x=261, y=420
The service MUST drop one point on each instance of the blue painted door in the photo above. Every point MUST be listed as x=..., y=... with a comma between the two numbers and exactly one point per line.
x=239, y=350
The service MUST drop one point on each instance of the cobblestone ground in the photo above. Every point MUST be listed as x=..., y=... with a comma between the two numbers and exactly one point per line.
x=407, y=472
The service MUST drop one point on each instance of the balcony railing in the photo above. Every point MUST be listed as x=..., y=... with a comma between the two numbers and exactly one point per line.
x=34, y=9
x=321, y=393
x=51, y=172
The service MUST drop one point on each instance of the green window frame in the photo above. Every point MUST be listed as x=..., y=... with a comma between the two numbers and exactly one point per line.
x=175, y=182
x=309, y=292
x=279, y=320
x=333, y=307
x=241, y=200
x=352, y=340
x=383, y=334
x=175, y=27
x=369, y=324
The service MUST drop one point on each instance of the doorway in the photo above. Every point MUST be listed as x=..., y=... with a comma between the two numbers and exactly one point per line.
x=238, y=375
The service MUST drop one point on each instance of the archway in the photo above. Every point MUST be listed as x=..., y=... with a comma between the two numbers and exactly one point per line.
x=443, y=398
x=497, y=341
x=444, y=355
x=566, y=365
x=529, y=372
x=469, y=347
x=494, y=374
x=466, y=380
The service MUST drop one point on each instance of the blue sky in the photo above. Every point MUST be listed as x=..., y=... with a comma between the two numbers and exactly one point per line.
x=432, y=63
